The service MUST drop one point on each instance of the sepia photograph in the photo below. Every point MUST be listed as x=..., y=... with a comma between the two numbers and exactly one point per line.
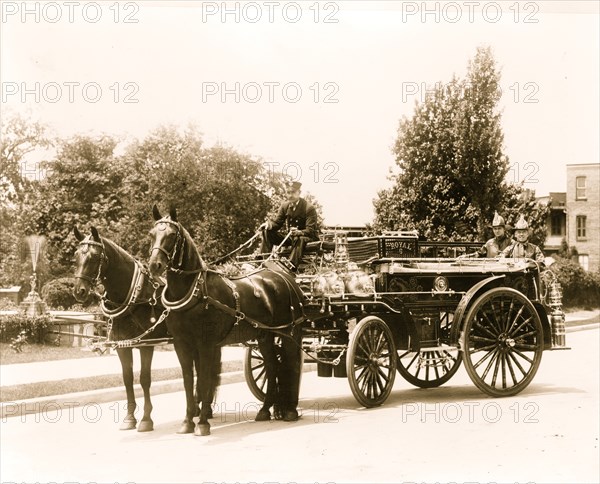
x=310, y=241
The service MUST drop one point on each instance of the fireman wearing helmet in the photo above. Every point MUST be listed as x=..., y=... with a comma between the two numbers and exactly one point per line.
x=520, y=248
x=501, y=240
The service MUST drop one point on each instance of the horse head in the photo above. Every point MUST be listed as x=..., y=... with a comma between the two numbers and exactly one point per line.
x=90, y=260
x=167, y=242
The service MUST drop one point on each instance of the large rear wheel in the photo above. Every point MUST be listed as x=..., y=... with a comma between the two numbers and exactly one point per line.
x=255, y=372
x=502, y=342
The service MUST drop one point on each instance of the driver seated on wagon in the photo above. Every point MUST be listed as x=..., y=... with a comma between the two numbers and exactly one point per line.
x=297, y=217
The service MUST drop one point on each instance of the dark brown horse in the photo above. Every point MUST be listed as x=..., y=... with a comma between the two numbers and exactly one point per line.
x=130, y=302
x=208, y=310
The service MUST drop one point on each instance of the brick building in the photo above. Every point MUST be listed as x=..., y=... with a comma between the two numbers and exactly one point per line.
x=556, y=224
x=583, y=213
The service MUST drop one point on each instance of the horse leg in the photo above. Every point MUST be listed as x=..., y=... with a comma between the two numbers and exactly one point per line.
x=146, y=354
x=199, y=390
x=289, y=384
x=185, y=354
x=266, y=345
x=126, y=359
x=210, y=367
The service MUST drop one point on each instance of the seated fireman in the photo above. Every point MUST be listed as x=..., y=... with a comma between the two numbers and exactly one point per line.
x=501, y=240
x=521, y=248
x=295, y=215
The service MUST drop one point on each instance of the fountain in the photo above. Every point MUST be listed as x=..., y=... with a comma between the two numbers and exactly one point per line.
x=33, y=304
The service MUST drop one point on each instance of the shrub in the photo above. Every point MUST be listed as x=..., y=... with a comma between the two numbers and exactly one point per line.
x=35, y=327
x=59, y=293
x=580, y=288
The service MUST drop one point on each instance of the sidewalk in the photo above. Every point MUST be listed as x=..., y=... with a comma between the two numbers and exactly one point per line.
x=22, y=373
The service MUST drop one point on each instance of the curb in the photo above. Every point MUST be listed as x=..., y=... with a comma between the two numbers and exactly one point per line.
x=582, y=327
x=94, y=397
x=105, y=395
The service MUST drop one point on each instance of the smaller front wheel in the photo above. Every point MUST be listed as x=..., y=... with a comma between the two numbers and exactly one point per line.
x=371, y=361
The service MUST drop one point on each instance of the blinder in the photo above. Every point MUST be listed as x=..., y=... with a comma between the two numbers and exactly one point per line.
x=179, y=241
x=93, y=282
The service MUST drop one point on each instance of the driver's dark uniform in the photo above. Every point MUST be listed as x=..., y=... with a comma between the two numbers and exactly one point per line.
x=301, y=215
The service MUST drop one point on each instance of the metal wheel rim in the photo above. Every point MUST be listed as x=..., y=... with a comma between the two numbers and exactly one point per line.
x=423, y=376
x=255, y=372
x=503, y=342
x=371, y=363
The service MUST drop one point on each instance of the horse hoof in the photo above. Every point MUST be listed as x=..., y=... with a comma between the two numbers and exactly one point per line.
x=146, y=426
x=186, y=428
x=290, y=415
x=128, y=424
x=263, y=416
x=277, y=413
x=202, y=430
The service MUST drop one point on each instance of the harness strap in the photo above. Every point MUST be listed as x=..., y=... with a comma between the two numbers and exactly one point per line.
x=239, y=316
x=126, y=343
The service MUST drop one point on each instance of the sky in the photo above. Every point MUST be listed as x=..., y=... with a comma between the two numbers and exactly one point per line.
x=315, y=89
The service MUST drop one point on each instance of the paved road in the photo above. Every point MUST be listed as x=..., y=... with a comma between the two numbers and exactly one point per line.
x=548, y=433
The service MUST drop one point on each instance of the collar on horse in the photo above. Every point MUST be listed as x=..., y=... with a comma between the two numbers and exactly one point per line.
x=135, y=287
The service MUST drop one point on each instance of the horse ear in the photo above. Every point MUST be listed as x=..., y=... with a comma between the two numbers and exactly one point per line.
x=95, y=235
x=155, y=213
x=173, y=213
x=77, y=233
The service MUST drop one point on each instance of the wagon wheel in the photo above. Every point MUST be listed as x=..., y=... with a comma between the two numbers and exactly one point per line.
x=431, y=368
x=255, y=372
x=371, y=362
x=503, y=340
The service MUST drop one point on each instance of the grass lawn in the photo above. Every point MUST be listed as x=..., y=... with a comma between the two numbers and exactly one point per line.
x=37, y=352
x=17, y=393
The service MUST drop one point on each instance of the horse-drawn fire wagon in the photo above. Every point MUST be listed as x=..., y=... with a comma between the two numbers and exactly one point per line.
x=375, y=305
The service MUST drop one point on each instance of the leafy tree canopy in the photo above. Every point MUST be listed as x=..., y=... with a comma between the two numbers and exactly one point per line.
x=451, y=163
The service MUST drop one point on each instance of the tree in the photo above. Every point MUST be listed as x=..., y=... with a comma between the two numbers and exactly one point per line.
x=451, y=161
x=221, y=195
x=19, y=137
x=81, y=188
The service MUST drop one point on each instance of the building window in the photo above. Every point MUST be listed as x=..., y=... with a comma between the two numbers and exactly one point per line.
x=580, y=188
x=584, y=261
x=557, y=223
x=581, y=226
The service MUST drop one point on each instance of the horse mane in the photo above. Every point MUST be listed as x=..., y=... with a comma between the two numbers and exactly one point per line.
x=191, y=246
x=121, y=252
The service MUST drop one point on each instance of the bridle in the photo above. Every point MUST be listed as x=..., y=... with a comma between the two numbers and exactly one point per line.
x=179, y=244
x=103, y=258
